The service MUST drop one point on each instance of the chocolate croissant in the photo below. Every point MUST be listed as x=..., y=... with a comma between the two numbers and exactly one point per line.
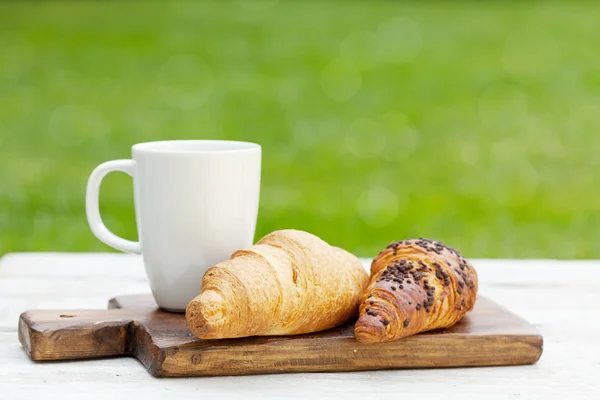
x=290, y=282
x=416, y=286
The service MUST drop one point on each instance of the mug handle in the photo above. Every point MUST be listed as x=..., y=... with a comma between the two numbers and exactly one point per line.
x=93, y=210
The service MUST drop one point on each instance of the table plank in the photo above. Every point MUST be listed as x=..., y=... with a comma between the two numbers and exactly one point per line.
x=564, y=306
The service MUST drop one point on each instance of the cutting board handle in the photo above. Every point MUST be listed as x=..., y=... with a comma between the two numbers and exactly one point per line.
x=75, y=334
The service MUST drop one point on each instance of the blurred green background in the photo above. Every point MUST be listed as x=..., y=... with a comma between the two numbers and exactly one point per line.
x=474, y=123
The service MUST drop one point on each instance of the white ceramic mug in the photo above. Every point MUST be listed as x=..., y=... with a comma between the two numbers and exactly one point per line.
x=196, y=202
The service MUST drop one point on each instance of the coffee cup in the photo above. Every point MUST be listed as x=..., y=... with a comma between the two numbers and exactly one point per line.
x=196, y=202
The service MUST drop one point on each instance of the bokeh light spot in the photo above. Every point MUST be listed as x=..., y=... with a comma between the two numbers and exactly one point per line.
x=398, y=40
x=71, y=125
x=185, y=82
x=377, y=206
x=340, y=80
x=502, y=106
x=529, y=53
x=365, y=138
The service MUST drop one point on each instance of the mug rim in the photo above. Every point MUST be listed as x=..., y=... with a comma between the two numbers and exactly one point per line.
x=195, y=146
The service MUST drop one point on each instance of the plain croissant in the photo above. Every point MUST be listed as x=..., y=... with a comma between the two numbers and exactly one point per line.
x=290, y=282
x=416, y=286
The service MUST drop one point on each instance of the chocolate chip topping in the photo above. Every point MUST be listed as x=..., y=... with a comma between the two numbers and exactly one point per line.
x=422, y=278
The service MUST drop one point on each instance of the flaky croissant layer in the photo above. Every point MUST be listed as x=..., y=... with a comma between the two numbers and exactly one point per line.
x=290, y=282
x=416, y=286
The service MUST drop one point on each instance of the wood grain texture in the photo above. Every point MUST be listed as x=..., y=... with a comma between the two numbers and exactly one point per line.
x=133, y=325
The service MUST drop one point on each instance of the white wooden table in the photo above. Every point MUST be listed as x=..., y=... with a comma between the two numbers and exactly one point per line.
x=562, y=298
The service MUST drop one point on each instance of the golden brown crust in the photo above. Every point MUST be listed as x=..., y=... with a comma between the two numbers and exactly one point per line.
x=416, y=285
x=290, y=282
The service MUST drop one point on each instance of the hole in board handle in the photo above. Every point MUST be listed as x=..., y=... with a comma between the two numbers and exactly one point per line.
x=66, y=316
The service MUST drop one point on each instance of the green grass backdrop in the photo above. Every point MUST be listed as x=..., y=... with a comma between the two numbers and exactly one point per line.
x=475, y=123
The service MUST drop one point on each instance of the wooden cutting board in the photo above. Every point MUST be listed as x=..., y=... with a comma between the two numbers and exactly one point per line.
x=134, y=326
